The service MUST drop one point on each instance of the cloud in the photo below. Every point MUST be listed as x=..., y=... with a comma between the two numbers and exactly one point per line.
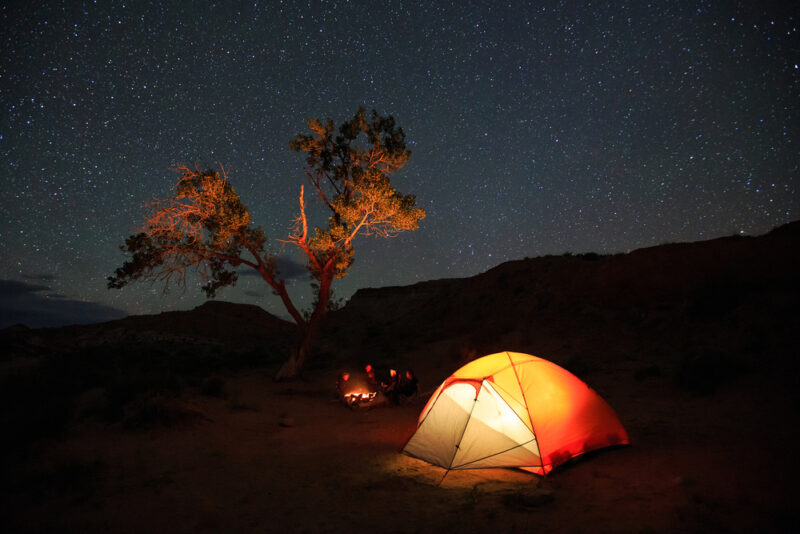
x=41, y=277
x=28, y=304
x=288, y=268
x=11, y=289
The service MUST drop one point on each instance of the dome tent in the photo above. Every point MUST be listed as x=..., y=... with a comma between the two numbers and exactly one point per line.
x=513, y=410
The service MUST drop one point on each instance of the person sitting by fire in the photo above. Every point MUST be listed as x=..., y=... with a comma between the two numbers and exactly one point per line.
x=408, y=386
x=390, y=384
x=369, y=374
x=341, y=383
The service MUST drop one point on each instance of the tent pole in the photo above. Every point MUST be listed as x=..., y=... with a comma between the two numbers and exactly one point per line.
x=530, y=415
x=463, y=430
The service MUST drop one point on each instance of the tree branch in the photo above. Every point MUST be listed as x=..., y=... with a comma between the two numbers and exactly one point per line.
x=301, y=240
x=317, y=185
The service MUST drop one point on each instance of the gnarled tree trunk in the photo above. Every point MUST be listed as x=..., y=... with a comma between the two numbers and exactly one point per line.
x=293, y=367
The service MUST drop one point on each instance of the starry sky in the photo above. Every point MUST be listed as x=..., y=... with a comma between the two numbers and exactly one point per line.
x=535, y=128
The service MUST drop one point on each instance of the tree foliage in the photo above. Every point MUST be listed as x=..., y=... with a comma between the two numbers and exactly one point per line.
x=205, y=227
x=352, y=179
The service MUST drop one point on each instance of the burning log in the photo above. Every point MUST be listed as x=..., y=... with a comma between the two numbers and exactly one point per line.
x=355, y=399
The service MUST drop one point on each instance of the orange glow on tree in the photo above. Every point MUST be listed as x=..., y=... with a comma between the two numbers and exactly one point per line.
x=204, y=226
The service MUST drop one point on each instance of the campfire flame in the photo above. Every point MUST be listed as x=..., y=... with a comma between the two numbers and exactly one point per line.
x=363, y=388
x=357, y=397
x=355, y=390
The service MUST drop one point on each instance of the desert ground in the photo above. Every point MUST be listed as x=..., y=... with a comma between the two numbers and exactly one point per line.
x=172, y=423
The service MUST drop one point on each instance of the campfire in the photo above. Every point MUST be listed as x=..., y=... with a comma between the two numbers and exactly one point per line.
x=355, y=390
x=362, y=389
x=355, y=399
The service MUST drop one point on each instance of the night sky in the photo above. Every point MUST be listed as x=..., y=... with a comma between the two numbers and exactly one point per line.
x=535, y=129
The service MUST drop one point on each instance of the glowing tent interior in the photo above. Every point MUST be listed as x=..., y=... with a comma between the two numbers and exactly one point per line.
x=513, y=410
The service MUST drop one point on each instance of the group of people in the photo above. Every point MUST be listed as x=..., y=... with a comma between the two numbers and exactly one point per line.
x=396, y=387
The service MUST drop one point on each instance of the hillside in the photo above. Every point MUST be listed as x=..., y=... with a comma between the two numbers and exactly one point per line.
x=731, y=298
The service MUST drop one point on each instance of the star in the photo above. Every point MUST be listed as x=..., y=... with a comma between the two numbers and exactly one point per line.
x=534, y=130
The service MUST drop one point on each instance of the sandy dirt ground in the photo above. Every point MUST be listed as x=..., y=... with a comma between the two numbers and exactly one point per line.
x=289, y=457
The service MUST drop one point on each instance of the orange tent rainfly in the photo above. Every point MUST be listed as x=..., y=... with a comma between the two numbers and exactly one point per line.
x=513, y=410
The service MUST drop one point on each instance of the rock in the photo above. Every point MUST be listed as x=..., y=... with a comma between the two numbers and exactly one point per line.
x=286, y=421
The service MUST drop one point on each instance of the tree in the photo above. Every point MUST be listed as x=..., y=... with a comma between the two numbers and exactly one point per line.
x=205, y=227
